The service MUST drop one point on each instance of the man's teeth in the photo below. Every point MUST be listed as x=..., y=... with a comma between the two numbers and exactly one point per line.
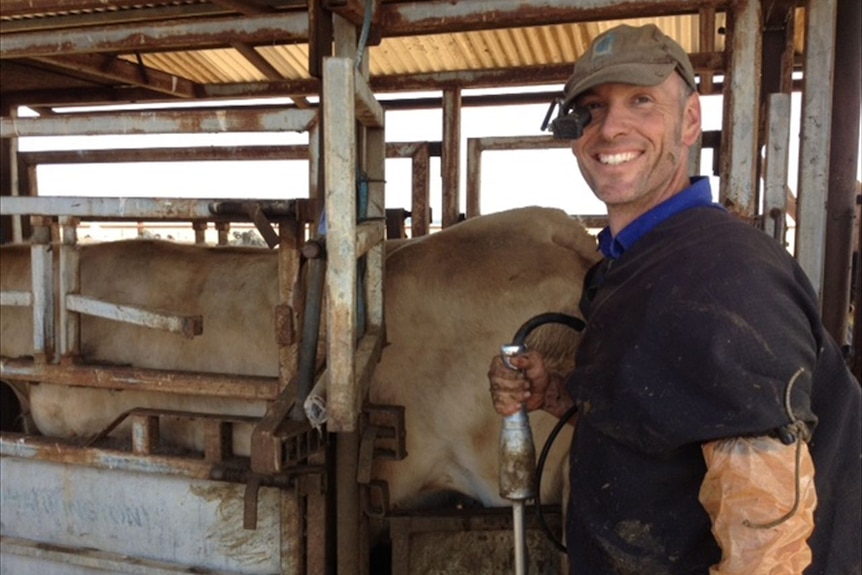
x=614, y=159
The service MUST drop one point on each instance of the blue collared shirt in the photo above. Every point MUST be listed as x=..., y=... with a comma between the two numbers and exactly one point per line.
x=698, y=194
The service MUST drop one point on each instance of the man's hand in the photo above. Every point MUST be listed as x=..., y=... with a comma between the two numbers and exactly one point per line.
x=531, y=385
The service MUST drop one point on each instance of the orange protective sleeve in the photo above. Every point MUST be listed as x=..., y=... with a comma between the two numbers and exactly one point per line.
x=751, y=483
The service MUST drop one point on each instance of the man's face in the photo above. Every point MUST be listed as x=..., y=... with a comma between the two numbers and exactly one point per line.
x=634, y=152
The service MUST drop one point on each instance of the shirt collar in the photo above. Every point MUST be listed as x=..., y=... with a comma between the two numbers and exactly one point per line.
x=698, y=194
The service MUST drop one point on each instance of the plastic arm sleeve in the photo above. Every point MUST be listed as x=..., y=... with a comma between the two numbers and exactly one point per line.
x=750, y=486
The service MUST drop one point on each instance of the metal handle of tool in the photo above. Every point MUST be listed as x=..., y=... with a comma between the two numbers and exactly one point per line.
x=517, y=466
x=518, y=471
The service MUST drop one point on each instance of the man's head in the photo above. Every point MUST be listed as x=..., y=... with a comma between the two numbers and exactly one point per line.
x=626, y=55
x=644, y=119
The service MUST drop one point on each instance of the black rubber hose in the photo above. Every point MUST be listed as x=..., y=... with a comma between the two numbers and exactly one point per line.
x=540, y=466
x=573, y=322
x=520, y=338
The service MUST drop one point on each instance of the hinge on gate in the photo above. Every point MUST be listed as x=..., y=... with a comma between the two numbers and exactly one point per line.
x=383, y=437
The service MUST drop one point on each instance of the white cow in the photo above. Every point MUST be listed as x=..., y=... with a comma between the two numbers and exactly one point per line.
x=452, y=299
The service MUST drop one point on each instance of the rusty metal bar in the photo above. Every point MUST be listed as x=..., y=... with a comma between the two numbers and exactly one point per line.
x=42, y=278
x=741, y=109
x=281, y=27
x=815, y=139
x=420, y=208
x=707, y=44
x=369, y=235
x=139, y=379
x=266, y=444
x=124, y=72
x=53, y=450
x=474, y=178
x=843, y=165
x=475, y=147
x=69, y=283
x=712, y=62
x=442, y=16
x=451, y=158
x=16, y=298
x=111, y=208
x=375, y=168
x=368, y=109
x=158, y=122
x=205, y=154
x=185, y=325
x=776, y=169
x=339, y=137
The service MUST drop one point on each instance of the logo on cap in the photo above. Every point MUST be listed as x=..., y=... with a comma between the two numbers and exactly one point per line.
x=604, y=46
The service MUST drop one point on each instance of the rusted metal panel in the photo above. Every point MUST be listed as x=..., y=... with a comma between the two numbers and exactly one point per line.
x=175, y=522
x=157, y=122
x=815, y=139
x=742, y=104
x=186, y=383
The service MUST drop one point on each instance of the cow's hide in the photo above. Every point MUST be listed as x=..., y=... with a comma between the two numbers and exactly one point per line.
x=452, y=298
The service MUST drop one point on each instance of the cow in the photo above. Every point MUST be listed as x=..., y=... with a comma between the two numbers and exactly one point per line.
x=451, y=300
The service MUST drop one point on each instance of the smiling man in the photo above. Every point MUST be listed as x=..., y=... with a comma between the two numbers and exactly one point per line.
x=718, y=429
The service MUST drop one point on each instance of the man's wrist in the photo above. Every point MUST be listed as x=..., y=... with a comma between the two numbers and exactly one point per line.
x=557, y=398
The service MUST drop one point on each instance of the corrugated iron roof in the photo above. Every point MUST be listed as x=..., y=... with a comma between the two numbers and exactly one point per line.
x=82, y=51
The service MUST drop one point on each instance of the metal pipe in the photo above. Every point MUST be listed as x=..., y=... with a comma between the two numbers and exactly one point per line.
x=843, y=163
x=310, y=326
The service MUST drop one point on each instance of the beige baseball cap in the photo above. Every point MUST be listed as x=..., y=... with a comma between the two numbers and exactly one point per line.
x=643, y=56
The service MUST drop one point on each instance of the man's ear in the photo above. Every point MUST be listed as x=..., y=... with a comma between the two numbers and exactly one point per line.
x=691, y=120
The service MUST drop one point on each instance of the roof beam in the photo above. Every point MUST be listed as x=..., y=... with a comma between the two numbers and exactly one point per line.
x=257, y=60
x=395, y=19
x=447, y=17
x=114, y=69
x=175, y=35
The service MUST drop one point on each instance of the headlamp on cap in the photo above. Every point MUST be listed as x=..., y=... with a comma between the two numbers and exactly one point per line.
x=570, y=121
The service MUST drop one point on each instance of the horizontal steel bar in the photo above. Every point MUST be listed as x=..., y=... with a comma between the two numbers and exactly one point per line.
x=140, y=379
x=200, y=33
x=185, y=325
x=16, y=298
x=110, y=208
x=159, y=122
x=53, y=450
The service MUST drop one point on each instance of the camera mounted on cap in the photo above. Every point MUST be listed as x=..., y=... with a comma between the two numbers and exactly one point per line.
x=570, y=121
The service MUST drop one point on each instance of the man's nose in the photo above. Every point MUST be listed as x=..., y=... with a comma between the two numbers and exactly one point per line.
x=615, y=121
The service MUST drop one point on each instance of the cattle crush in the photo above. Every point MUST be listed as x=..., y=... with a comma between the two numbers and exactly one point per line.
x=188, y=482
